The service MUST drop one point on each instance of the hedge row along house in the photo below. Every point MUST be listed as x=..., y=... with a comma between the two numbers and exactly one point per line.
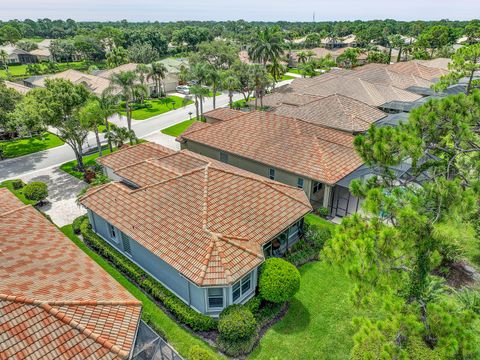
x=199, y=226
x=55, y=301
x=305, y=138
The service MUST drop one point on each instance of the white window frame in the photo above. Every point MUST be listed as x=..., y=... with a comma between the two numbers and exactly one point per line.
x=112, y=233
x=208, y=299
x=271, y=174
x=126, y=239
x=240, y=282
x=300, y=183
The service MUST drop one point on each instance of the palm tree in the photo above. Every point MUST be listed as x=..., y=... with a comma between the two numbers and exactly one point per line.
x=4, y=59
x=302, y=56
x=108, y=107
x=231, y=84
x=214, y=80
x=125, y=81
x=158, y=71
x=117, y=57
x=266, y=46
x=276, y=69
x=119, y=136
x=262, y=80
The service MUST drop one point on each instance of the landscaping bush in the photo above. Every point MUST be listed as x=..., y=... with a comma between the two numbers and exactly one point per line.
x=77, y=223
x=35, y=191
x=322, y=211
x=177, y=307
x=198, y=353
x=17, y=184
x=279, y=280
x=236, y=322
x=308, y=249
x=236, y=348
x=254, y=304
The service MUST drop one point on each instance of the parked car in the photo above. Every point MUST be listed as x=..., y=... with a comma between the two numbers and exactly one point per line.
x=183, y=89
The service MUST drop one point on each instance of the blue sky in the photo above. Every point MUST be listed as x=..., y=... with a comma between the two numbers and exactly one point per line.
x=292, y=10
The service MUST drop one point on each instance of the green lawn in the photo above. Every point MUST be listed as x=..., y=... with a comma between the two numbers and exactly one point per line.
x=313, y=219
x=21, y=70
x=318, y=322
x=294, y=71
x=88, y=160
x=179, y=128
x=180, y=338
x=156, y=107
x=33, y=39
x=286, y=77
x=18, y=193
x=15, y=148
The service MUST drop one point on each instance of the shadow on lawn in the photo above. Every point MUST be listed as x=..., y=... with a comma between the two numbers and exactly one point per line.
x=33, y=145
x=296, y=320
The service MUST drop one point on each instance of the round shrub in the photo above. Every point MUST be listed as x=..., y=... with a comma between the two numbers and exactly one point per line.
x=279, y=280
x=236, y=322
x=196, y=352
x=35, y=191
x=17, y=184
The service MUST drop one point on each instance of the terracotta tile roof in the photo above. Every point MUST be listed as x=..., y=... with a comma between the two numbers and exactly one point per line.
x=125, y=67
x=381, y=74
x=207, y=219
x=417, y=69
x=56, y=302
x=278, y=98
x=361, y=90
x=297, y=146
x=96, y=84
x=222, y=114
x=335, y=111
x=22, y=89
x=439, y=63
x=194, y=127
x=131, y=155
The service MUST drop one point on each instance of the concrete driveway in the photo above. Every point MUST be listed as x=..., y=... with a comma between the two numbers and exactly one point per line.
x=62, y=194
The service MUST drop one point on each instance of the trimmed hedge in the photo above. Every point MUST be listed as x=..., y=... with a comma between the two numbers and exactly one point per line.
x=279, y=280
x=77, y=223
x=182, y=312
x=236, y=322
x=198, y=353
x=35, y=191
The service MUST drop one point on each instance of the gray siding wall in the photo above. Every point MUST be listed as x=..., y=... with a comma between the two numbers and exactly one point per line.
x=167, y=275
x=251, y=165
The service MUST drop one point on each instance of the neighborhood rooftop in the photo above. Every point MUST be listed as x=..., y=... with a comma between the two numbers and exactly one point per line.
x=206, y=219
x=298, y=146
x=56, y=302
x=335, y=111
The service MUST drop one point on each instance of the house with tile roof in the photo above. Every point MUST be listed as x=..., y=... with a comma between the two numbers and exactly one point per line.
x=220, y=114
x=199, y=226
x=55, y=301
x=293, y=151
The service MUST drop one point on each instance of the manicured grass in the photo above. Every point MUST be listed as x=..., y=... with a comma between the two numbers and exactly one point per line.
x=313, y=219
x=34, y=39
x=286, y=77
x=156, y=107
x=15, y=148
x=18, y=193
x=88, y=160
x=179, y=128
x=318, y=323
x=21, y=70
x=294, y=71
x=181, y=339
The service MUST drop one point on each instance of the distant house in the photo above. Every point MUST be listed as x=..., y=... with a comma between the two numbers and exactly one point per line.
x=199, y=226
x=55, y=301
x=170, y=82
x=95, y=84
x=18, y=56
